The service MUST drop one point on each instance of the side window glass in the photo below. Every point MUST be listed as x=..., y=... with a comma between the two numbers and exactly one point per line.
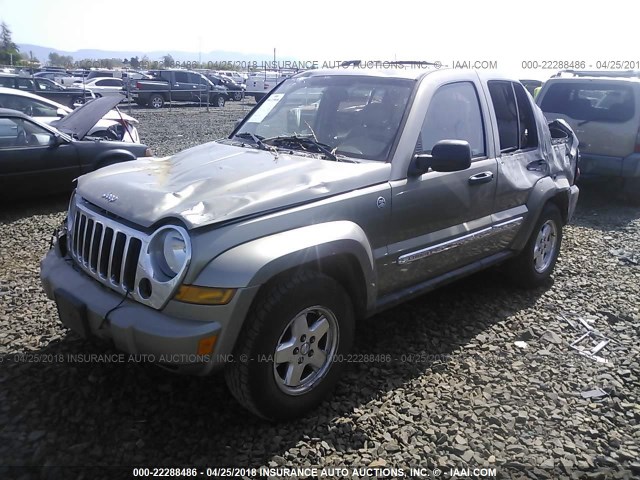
x=182, y=77
x=27, y=106
x=454, y=114
x=504, y=104
x=19, y=133
x=527, y=124
x=25, y=84
x=43, y=85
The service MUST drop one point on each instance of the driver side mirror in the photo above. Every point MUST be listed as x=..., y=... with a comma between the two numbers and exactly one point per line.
x=55, y=140
x=446, y=156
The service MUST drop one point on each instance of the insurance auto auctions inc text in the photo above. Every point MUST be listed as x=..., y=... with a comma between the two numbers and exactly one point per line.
x=379, y=472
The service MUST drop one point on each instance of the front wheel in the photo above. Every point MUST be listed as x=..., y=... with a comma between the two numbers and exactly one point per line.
x=237, y=96
x=77, y=101
x=287, y=358
x=218, y=101
x=533, y=266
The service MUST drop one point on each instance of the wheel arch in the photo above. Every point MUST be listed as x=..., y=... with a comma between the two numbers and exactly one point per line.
x=339, y=250
x=547, y=190
x=112, y=156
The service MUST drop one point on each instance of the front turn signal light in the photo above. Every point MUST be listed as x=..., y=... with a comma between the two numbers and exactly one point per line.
x=204, y=295
x=205, y=345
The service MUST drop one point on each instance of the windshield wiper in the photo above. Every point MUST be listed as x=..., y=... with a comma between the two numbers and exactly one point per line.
x=303, y=140
x=257, y=140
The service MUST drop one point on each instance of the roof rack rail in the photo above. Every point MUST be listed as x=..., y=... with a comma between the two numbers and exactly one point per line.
x=357, y=63
x=600, y=73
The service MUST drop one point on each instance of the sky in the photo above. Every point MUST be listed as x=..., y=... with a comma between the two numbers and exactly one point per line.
x=509, y=32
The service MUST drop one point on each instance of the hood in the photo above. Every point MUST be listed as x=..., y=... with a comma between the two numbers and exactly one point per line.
x=81, y=120
x=216, y=182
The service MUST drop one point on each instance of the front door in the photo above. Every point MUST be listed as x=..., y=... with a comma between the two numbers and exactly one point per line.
x=31, y=162
x=440, y=220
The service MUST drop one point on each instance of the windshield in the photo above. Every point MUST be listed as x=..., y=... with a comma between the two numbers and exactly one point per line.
x=355, y=116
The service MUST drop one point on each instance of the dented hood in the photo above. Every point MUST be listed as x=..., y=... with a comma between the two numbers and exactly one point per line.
x=216, y=182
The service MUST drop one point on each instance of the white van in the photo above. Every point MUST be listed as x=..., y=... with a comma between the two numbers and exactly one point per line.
x=261, y=83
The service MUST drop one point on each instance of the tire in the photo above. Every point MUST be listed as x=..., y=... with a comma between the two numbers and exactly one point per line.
x=258, y=97
x=77, y=101
x=156, y=101
x=534, y=265
x=237, y=96
x=280, y=317
x=218, y=101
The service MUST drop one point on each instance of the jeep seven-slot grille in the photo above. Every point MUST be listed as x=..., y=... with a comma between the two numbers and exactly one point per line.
x=104, y=251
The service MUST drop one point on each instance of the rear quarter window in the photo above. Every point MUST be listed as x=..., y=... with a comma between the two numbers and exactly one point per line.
x=590, y=101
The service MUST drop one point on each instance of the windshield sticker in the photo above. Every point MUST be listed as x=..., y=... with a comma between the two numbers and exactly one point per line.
x=265, y=108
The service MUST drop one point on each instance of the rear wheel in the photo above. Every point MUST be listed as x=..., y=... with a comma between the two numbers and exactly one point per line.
x=285, y=358
x=156, y=101
x=533, y=266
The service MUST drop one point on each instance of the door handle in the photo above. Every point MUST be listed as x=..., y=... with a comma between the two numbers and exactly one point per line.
x=537, y=166
x=479, y=178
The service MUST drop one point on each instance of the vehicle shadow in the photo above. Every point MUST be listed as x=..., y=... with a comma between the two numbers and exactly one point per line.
x=71, y=410
x=602, y=207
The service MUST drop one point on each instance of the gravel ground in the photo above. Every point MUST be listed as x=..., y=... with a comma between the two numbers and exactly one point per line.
x=452, y=388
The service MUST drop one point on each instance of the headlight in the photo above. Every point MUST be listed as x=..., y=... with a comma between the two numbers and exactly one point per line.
x=170, y=251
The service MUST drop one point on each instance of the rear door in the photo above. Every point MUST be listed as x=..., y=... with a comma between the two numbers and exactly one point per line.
x=440, y=219
x=183, y=88
x=520, y=161
x=603, y=114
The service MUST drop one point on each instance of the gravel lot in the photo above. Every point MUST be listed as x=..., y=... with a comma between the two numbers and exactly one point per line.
x=458, y=392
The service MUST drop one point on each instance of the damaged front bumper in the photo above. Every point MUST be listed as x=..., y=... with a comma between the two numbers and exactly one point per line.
x=176, y=342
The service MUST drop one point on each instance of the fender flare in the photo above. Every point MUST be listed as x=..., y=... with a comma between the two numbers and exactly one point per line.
x=256, y=262
x=546, y=189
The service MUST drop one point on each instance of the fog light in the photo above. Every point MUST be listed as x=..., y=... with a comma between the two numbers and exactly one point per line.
x=204, y=295
x=144, y=288
x=205, y=345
